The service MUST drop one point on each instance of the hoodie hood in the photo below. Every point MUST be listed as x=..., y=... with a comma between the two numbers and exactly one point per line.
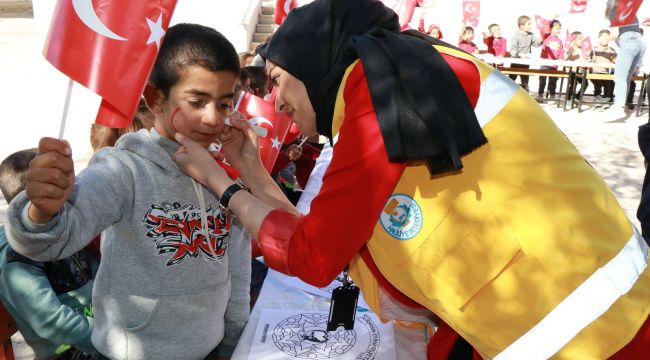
x=148, y=144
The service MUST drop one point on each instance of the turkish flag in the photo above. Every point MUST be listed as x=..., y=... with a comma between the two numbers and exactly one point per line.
x=586, y=47
x=543, y=25
x=578, y=6
x=567, y=39
x=109, y=46
x=261, y=114
x=471, y=12
x=625, y=12
x=282, y=9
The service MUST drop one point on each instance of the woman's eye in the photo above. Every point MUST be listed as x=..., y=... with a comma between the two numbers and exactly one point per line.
x=274, y=80
x=197, y=104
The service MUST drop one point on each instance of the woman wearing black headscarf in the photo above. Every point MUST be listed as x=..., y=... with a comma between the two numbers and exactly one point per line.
x=517, y=244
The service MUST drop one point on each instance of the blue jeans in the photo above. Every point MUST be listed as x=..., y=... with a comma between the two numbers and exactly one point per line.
x=631, y=50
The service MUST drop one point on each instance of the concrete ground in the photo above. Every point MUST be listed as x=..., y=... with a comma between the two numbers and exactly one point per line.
x=610, y=147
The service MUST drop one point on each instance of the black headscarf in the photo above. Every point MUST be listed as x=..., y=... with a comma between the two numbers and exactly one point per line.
x=423, y=111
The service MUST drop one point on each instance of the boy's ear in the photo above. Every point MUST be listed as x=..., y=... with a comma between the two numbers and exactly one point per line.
x=154, y=98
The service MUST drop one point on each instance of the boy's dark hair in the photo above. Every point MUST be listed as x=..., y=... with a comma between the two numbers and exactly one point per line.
x=553, y=22
x=192, y=44
x=492, y=26
x=522, y=20
x=12, y=173
x=468, y=29
x=258, y=78
x=575, y=34
x=604, y=31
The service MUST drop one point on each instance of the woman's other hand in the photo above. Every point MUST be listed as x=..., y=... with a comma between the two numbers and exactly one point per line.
x=240, y=143
x=195, y=161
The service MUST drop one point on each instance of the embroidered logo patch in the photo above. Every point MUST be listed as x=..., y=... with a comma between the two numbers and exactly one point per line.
x=402, y=217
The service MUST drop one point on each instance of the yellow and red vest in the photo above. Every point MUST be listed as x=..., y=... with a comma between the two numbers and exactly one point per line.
x=526, y=252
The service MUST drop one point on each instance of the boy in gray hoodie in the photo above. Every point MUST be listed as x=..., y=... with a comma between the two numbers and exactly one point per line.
x=521, y=46
x=174, y=278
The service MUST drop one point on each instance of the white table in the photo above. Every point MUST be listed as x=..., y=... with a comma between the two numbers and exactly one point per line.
x=276, y=294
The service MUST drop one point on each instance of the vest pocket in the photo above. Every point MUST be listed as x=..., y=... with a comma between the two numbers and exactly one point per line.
x=473, y=263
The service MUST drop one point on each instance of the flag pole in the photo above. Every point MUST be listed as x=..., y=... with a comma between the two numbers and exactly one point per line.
x=65, y=108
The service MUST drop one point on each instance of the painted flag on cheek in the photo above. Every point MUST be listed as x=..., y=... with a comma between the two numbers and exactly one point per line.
x=625, y=12
x=471, y=12
x=282, y=9
x=109, y=46
x=578, y=6
x=274, y=126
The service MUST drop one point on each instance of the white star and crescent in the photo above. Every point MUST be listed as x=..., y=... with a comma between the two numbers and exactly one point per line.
x=276, y=143
x=156, y=31
x=87, y=14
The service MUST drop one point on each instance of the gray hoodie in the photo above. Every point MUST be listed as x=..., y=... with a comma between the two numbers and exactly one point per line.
x=522, y=43
x=161, y=291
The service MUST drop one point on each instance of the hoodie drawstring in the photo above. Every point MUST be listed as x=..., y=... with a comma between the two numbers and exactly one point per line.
x=204, y=218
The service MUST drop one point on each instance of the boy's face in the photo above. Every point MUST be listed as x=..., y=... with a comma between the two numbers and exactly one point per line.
x=469, y=36
x=555, y=30
x=603, y=39
x=197, y=105
x=527, y=26
x=496, y=31
x=578, y=40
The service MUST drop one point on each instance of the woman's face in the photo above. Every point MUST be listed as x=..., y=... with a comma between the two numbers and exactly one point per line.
x=291, y=98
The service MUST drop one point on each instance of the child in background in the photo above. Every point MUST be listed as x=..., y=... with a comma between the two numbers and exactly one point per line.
x=466, y=41
x=50, y=301
x=604, y=54
x=496, y=45
x=574, y=53
x=433, y=30
x=521, y=46
x=258, y=80
x=552, y=48
x=174, y=283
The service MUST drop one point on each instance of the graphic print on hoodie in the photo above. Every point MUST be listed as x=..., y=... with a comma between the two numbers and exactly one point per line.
x=178, y=230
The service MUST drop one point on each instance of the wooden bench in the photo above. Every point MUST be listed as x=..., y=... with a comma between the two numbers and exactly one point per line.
x=7, y=328
x=599, y=76
x=561, y=74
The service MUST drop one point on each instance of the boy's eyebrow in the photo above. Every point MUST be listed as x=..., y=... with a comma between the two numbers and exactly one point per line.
x=228, y=95
x=198, y=92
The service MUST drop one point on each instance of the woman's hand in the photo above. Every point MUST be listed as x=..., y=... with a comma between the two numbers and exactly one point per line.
x=195, y=161
x=239, y=143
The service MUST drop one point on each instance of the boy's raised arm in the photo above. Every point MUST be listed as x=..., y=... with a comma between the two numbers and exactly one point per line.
x=59, y=214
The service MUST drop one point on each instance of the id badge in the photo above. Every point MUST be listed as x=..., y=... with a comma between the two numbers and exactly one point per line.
x=343, y=307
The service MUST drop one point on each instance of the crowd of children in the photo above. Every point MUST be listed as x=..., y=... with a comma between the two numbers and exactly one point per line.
x=552, y=48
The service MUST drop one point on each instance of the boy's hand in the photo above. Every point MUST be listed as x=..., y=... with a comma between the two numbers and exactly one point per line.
x=294, y=152
x=50, y=179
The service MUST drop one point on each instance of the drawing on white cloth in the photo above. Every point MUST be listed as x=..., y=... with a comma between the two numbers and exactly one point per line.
x=325, y=292
x=293, y=334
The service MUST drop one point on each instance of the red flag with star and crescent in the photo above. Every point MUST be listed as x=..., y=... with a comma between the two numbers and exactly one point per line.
x=272, y=126
x=282, y=10
x=109, y=46
x=625, y=12
x=471, y=12
x=578, y=6
x=543, y=25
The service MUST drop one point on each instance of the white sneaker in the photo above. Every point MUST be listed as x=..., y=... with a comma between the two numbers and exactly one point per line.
x=613, y=115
